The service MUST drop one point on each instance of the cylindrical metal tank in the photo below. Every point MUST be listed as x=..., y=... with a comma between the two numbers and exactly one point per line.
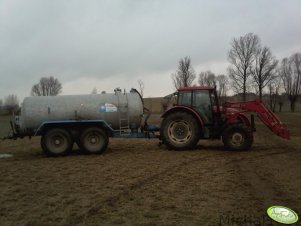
x=117, y=109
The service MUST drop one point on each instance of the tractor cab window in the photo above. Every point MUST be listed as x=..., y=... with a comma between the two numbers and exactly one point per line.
x=184, y=98
x=202, y=104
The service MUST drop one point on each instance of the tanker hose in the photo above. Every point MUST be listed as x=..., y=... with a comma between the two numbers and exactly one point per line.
x=148, y=112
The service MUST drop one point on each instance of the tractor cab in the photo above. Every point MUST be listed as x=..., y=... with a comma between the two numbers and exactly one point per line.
x=202, y=100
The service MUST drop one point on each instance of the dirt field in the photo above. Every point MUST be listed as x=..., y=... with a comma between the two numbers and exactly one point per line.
x=135, y=182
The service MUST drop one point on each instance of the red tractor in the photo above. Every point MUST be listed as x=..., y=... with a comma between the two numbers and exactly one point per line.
x=198, y=115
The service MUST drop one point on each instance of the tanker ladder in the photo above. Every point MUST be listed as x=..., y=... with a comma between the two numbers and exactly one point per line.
x=124, y=126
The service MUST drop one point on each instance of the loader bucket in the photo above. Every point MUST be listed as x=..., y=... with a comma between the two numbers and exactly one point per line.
x=283, y=132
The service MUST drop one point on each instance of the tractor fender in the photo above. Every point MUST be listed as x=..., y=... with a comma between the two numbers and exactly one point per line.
x=185, y=109
x=239, y=117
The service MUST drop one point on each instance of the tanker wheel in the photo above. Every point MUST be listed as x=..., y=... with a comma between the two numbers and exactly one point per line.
x=93, y=140
x=180, y=131
x=56, y=142
x=237, y=138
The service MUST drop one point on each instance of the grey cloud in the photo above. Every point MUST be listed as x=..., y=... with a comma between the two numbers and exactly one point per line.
x=101, y=39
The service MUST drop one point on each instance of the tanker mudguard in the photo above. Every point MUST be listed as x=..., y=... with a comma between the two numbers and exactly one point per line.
x=62, y=123
x=186, y=109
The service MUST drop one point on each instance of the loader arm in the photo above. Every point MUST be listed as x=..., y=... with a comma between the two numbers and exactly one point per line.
x=265, y=114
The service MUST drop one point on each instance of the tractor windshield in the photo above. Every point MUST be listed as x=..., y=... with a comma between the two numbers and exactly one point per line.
x=185, y=98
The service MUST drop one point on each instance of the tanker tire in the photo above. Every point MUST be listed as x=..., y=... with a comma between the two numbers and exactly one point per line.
x=57, y=142
x=93, y=140
x=180, y=131
x=237, y=138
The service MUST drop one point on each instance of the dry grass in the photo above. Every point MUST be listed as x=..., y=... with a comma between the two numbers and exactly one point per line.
x=135, y=182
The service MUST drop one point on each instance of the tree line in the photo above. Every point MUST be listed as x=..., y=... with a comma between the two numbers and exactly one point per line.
x=47, y=86
x=252, y=67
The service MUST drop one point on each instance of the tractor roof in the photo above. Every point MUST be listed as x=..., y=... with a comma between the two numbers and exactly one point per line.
x=195, y=88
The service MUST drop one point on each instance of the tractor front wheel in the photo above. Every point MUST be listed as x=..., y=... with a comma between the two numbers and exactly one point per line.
x=237, y=138
x=180, y=131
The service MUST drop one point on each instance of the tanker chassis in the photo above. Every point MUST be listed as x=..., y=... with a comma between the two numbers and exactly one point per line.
x=89, y=121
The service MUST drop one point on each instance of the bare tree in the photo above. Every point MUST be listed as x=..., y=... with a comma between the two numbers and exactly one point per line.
x=280, y=101
x=274, y=88
x=263, y=71
x=185, y=74
x=222, y=83
x=207, y=78
x=94, y=91
x=290, y=71
x=273, y=95
x=241, y=56
x=11, y=103
x=47, y=87
x=141, y=86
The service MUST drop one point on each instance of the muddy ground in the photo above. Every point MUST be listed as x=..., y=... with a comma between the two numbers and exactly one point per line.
x=135, y=182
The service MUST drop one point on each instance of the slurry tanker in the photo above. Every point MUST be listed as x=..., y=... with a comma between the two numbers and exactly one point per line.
x=90, y=120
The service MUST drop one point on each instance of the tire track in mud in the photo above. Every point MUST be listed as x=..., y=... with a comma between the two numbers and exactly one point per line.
x=260, y=155
x=265, y=186
x=265, y=190
x=110, y=202
x=257, y=182
x=211, y=154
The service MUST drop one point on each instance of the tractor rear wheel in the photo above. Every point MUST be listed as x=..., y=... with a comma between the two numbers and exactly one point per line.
x=180, y=131
x=93, y=140
x=237, y=138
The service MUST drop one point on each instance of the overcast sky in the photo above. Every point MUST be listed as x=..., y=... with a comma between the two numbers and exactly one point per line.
x=113, y=43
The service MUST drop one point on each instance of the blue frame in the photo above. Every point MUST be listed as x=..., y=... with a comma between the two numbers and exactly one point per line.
x=118, y=134
x=115, y=133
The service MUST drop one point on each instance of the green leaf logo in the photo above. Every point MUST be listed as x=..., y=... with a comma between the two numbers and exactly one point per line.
x=282, y=214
